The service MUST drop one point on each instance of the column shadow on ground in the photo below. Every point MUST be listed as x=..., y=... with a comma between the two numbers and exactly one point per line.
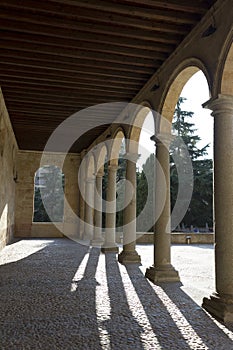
x=123, y=328
x=49, y=301
x=38, y=309
x=211, y=336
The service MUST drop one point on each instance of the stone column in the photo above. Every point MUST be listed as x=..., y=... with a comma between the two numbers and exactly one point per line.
x=89, y=195
x=129, y=253
x=220, y=303
x=82, y=197
x=162, y=270
x=110, y=221
x=98, y=238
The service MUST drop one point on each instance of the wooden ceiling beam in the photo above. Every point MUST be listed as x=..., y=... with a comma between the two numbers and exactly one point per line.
x=15, y=64
x=81, y=63
x=181, y=5
x=63, y=90
x=159, y=51
x=42, y=105
x=58, y=51
x=60, y=99
x=46, y=112
x=37, y=23
x=73, y=77
x=36, y=79
x=46, y=104
x=42, y=119
x=11, y=95
x=105, y=12
x=156, y=41
x=170, y=15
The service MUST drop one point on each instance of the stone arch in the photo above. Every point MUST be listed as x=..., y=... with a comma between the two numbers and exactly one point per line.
x=100, y=157
x=225, y=79
x=174, y=87
x=137, y=125
x=115, y=145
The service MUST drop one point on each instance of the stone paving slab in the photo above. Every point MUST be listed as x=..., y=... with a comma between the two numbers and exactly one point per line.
x=58, y=294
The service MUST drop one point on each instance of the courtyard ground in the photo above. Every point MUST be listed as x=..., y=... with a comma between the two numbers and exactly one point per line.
x=58, y=294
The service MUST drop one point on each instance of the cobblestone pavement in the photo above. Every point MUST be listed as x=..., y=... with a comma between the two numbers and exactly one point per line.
x=57, y=294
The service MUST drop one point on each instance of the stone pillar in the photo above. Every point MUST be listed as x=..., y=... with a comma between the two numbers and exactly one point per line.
x=82, y=197
x=110, y=221
x=220, y=303
x=162, y=270
x=89, y=195
x=98, y=238
x=129, y=253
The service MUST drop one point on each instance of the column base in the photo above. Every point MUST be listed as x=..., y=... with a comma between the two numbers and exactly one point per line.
x=87, y=236
x=126, y=257
x=109, y=248
x=97, y=242
x=220, y=307
x=165, y=273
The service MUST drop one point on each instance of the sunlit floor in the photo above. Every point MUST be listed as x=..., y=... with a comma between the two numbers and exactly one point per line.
x=58, y=294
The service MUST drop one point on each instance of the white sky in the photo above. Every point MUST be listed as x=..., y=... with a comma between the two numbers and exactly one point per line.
x=196, y=91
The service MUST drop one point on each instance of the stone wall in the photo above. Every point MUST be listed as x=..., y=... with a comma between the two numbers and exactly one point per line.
x=8, y=174
x=28, y=162
x=179, y=238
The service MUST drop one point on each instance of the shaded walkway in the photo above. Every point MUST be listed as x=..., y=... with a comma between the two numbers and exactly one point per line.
x=57, y=294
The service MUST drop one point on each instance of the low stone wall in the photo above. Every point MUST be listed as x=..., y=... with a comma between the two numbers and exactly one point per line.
x=176, y=238
x=195, y=238
x=46, y=230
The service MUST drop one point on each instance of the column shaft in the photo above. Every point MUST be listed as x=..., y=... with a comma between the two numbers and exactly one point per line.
x=162, y=237
x=98, y=239
x=221, y=303
x=110, y=221
x=82, y=200
x=89, y=195
x=129, y=254
x=162, y=270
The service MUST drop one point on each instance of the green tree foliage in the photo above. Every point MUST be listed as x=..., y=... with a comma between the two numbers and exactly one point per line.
x=145, y=195
x=200, y=209
x=49, y=186
x=185, y=129
x=120, y=176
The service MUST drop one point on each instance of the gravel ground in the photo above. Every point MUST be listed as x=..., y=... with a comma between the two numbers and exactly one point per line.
x=57, y=294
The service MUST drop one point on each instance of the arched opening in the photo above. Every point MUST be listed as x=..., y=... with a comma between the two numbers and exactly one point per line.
x=49, y=182
x=193, y=125
x=116, y=158
x=141, y=144
x=110, y=189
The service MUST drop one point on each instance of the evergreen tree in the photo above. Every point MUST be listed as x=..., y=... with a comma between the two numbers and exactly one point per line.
x=186, y=130
x=120, y=175
x=145, y=195
x=200, y=209
x=49, y=185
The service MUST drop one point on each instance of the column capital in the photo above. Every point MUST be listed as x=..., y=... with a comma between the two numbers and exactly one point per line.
x=133, y=157
x=163, y=139
x=90, y=179
x=100, y=173
x=112, y=167
x=220, y=104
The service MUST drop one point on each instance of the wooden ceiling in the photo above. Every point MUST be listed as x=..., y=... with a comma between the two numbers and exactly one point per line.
x=60, y=56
